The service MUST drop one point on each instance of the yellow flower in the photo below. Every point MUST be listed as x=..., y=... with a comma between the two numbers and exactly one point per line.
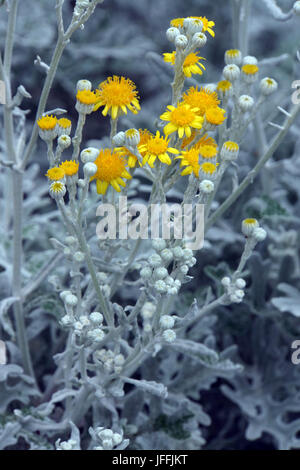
x=207, y=25
x=190, y=159
x=70, y=167
x=145, y=135
x=202, y=99
x=158, y=147
x=56, y=173
x=248, y=226
x=190, y=65
x=64, y=126
x=117, y=94
x=181, y=119
x=224, y=88
x=57, y=190
x=47, y=123
x=111, y=169
x=205, y=140
x=64, y=123
x=250, y=69
x=215, y=116
x=208, y=169
x=208, y=151
x=86, y=97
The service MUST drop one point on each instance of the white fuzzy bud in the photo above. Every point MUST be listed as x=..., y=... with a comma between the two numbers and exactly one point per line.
x=166, y=321
x=166, y=255
x=96, y=318
x=84, y=320
x=225, y=281
x=181, y=41
x=184, y=269
x=187, y=254
x=89, y=169
x=192, y=25
x=78, y=327
x=148, y=310
x=57, y=190
x=64, y=141
x=71, y=300
x=191, y=262
x=249, y=60
x=119, y=139
x=178, y=252
x=172, y=290
x=235, y=299
x=177, y=283
x=155, y=261
x=105, y=434
x=132, y=138
x=248, y=226
x=240, y=283
x=83, y=85
x=70, y=240
x=97, y=335
x=206, y=186
x=233, y=56
x=161, y=286
x=199, y=40
x=239, y=293
x=117, y=438
x=102, y=277
x=231, y=72
x=268, y=86
x=259, y=234
x=159, y=244
x=169, y=336
x=246, y=103
x=296, y=8
x=89, y=154
x=160, y=273
x=107, y=444
x=119, y=359
x=66, y=320
x=64, y=294
x=172, y=33
x=79, y=256
x=146, y=273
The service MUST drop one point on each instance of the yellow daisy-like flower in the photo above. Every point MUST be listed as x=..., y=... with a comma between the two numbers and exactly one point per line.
x=64, y=123
x=208, y=169
x=117, y=94
x=181, y=119
x=250, y=69
x=190, y=159
x=111, y=169
x=202, y=99
x=224, y=88
x=47, y=123
x=191, y=64
x=86, y=97
x=145, y=135
x=70, y=167
x=158, y=147
x=207, y=24
x=56, y=173
x=208, y=151
x=215, y=116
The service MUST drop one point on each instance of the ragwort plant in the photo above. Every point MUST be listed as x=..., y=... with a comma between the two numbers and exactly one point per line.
x=128, y=353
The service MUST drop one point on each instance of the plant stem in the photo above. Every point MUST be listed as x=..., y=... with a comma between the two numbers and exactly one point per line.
x=253, y=173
